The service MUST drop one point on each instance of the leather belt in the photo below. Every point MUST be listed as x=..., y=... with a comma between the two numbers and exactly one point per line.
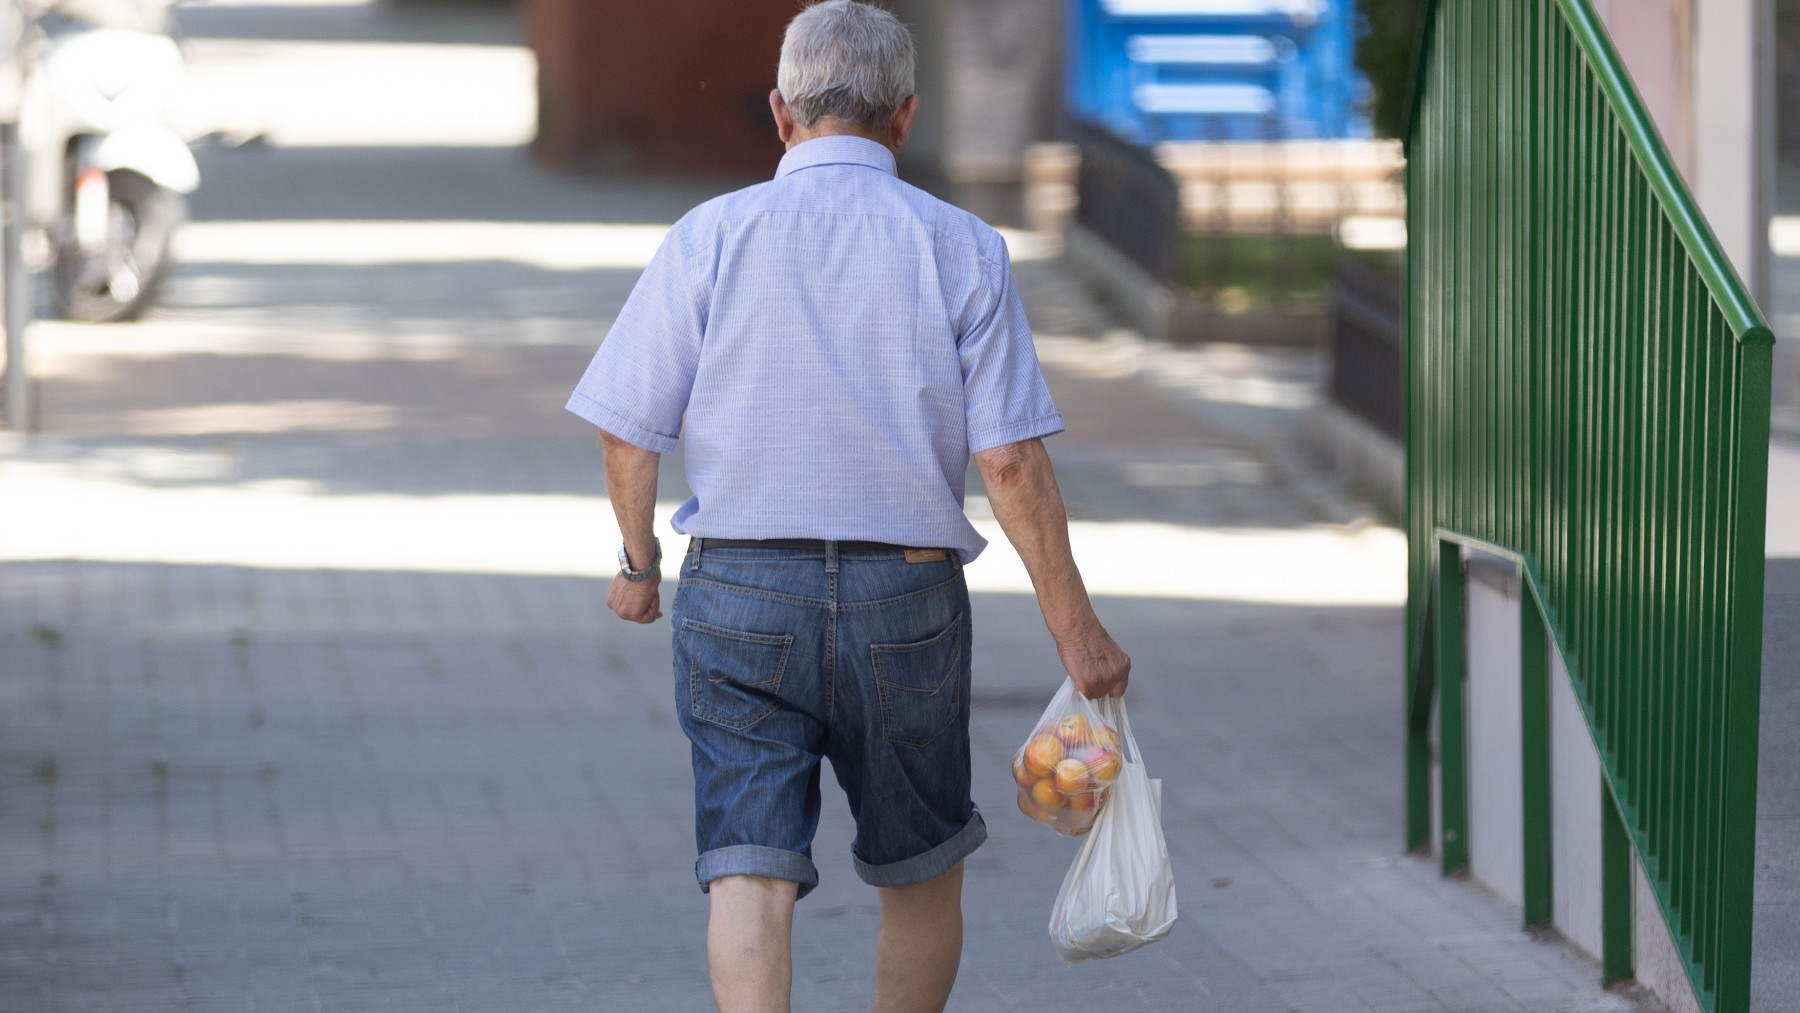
x=814, y=544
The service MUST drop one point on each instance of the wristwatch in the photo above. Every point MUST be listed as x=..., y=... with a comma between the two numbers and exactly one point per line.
x=639, y=576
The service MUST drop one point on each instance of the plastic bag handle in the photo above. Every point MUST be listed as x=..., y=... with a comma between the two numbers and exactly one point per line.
x=1113, y=708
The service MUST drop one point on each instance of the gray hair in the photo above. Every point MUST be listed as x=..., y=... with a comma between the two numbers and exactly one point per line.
x=848, y=61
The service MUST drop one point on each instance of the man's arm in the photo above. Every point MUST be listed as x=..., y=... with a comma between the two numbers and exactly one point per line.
x=1022, y=489
x=631, y=485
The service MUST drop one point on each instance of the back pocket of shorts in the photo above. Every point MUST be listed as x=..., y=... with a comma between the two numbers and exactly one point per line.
x=920, y=685
x=733, y=676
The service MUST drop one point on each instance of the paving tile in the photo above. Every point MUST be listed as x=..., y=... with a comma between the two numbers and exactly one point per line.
x=1776, y=956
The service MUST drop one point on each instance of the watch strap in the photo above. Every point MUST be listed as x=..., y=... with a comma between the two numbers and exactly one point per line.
x=649, y=568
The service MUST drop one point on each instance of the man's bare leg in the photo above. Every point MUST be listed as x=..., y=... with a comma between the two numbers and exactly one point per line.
x=749, y=943
x=920, y=945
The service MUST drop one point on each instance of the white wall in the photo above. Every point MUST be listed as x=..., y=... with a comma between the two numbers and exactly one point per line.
x=1655, y=38
x=1496, y=789
x=1496, y=799
x=1705, y=71
x=1575, y=812
x=1653, y=957
x=1732, y=131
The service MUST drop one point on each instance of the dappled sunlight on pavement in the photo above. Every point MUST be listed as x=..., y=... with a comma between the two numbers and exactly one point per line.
x=62, y=512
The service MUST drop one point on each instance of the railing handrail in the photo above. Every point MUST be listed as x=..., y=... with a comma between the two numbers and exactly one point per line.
x=1646, y=142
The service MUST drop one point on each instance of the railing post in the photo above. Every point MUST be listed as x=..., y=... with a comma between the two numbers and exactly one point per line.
x=1615, y=890
x=1534, y=751
x=1742, y=704
x=15, y=287
x=1420, y=688
x=1418, y=781
x=1452, y=742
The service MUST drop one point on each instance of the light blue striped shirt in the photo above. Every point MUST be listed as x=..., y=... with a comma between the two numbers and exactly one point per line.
x=839, y=343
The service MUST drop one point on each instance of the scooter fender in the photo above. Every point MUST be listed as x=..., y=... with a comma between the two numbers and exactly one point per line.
x=152, y=151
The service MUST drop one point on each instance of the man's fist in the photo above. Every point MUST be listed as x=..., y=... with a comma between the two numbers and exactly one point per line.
x=635, y=601
x=1097, y=664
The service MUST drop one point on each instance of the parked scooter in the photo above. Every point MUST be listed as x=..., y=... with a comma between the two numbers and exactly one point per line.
x=107, y=177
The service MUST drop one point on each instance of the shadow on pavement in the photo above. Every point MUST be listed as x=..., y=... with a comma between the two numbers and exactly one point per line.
x=444, y=22
x=259, y=182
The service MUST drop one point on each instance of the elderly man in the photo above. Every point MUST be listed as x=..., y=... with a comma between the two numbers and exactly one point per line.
x=834, y=345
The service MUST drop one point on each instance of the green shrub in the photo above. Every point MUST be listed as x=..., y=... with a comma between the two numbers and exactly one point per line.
x=1389, y=32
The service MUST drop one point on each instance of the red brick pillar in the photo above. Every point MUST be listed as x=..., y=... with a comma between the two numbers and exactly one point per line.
x=647, y=85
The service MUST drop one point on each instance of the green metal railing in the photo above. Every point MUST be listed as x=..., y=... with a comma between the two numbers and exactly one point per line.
x=1587, y=395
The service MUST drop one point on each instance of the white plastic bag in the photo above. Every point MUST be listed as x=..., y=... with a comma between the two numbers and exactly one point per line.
x=1120, y=893
x=1068, y=763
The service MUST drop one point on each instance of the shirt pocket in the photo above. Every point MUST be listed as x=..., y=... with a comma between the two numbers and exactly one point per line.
x=920, y=685
x=734, y=677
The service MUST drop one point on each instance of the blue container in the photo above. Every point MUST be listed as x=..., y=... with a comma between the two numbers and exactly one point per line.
x=1216, y=70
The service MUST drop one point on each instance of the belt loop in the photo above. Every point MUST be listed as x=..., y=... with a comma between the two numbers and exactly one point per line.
x=696, y=549
x=831, y=556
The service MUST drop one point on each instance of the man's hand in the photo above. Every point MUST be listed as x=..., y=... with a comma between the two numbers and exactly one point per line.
x=1097, y=664
x=631, y=485
x=635, y=601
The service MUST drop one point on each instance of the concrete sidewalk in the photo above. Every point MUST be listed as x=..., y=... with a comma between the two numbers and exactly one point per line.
x=310, y=700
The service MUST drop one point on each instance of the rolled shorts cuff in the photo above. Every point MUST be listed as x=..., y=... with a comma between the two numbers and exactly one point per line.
x=756, y=860
x=931, y=864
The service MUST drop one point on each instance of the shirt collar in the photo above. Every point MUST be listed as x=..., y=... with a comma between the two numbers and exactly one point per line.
x=837, y=149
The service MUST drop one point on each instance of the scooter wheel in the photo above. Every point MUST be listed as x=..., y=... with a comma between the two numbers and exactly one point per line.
x=120, y=281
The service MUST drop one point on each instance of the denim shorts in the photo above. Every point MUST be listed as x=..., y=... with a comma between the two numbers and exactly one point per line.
x=787, y=655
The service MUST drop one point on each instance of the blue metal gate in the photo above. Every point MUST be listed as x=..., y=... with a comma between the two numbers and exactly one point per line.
x=1215, y=70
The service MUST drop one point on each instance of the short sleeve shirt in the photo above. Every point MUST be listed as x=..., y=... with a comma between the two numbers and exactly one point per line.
x=832, y=346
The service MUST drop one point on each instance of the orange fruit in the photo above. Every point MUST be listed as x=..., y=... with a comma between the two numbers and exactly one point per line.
x=1085, y=802
x=1042, y=753
x=1071, y=777
x=1104, y=766
x=1044, y=793
x=1022, y=773
x=1032, y=809
x=1107, y=737
x=1074, y=731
